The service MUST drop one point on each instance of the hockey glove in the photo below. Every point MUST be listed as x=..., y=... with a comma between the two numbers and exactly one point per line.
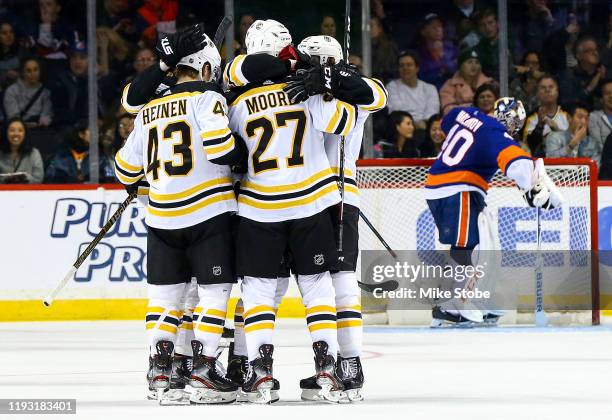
x=314, y=81
x=539, y=196
x=172, y=47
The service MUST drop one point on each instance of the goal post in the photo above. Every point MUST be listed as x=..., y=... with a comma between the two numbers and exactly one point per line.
x=391, y=197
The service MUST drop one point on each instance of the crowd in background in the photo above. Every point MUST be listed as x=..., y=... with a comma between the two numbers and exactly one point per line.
x=432, y=56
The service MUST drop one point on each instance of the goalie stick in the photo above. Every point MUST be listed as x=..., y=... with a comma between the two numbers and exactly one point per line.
x=347, y=44
x=221, y=30
x=81, y=258
x=540, y=315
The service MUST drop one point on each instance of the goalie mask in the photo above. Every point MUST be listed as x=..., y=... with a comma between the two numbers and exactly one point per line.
x=208, y=54
x=267, y=36
x=510, y=113
x=322, y=46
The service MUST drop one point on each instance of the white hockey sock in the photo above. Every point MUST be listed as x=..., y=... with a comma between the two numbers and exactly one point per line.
x=163, y=317
x=318, y=297
x=240, y=348
x=185, y=333
x=259, y=318
x=209, y=316
x=348, y=306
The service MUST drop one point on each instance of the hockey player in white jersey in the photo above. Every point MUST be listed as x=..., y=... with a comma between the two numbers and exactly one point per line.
x=283, y=202
x=367, y=95
x=182, y=145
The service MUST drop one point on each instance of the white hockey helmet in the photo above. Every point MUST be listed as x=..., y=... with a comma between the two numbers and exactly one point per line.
x=208, y=54
x=322, y=46
x=510, y=112
x=267, y=36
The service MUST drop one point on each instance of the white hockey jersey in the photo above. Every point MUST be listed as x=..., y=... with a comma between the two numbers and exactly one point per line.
x=352, y=142
x=174, y=144
x=289, y=176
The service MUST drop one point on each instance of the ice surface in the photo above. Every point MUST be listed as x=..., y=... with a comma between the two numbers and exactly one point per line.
x=507, y=373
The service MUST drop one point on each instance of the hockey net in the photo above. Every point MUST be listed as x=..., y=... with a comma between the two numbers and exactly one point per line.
x=391, y=198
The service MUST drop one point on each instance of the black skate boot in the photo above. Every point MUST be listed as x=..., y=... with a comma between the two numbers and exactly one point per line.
x=209, y=386
x=327, y=376
x=310, y=389
x=444, y=319
x=160, y=369
x=351, y=373
x=259, y=382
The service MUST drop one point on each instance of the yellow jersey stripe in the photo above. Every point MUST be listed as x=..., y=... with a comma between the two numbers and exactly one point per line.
x=288, y=204
x=381, y=97
x=288, y=187
x=192, y=208
x=125, y=180
x=184, y=194
x=126, y=166
x=347, y=171
x=334, y=121
x=223, y=147
x=233, y=75
x=215, y=133
x=129, y=108
x=258, y=90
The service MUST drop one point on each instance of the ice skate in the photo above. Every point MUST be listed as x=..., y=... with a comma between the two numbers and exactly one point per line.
x=177, y=394
x=350, y=371
x=160, y=370
x=259, y=382
x=491, y=318
x=209, y=386
x=452, y=318
x=327, y=377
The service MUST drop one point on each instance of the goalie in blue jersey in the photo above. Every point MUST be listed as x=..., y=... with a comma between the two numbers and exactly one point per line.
x=476, y=146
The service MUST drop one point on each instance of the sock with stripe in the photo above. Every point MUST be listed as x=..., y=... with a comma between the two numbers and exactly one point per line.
x=240, y=348
x=185, y=333
x=348, y=308
x=259, y=317
x=163, y=315
x=318, y=298
x=209, y=316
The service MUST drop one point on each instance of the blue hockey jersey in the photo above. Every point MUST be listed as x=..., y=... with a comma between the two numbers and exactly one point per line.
x=476, y=146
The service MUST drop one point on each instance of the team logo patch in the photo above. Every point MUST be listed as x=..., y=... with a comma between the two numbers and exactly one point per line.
x=319, y=259
x=216, y=270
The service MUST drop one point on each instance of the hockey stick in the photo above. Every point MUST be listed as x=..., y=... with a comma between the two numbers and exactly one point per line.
x=540, y=315
x=347, y=44
x=388, y=285
x=109, y=224
x=377, y=234
x=221, y=30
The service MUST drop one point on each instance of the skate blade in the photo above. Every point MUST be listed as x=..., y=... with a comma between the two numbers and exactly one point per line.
x=352, y=395
x=443, y=323
x=261, y=396
x=328, y=392
x=310, y=395
x=175, y=397
x=209, y=396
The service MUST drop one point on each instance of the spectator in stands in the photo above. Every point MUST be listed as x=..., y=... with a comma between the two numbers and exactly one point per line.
x=583, y=82
x=28, y=99
x=559, y=49
x=158, y=17
x=19, y=161
x=11, y=55
x=605, y=171
x=400, y=141
x=328, y=26
x=574, y=142
x=459, y=22
x=437, y=55
x=538, y=25
x=113, y=54
x=488, y=47
x=434, y=137
x=245, y=23
x=51, y=35
x=384, y=52
x=485, y=97
x=144, y=58
x=524, y=86
x=459, y=90
x=355, y=60
x=71, y=163
x=120, y=16
x=116, y=136
x=548, y=117
x=600, y=121
x=69, y=88
x=410, y=94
